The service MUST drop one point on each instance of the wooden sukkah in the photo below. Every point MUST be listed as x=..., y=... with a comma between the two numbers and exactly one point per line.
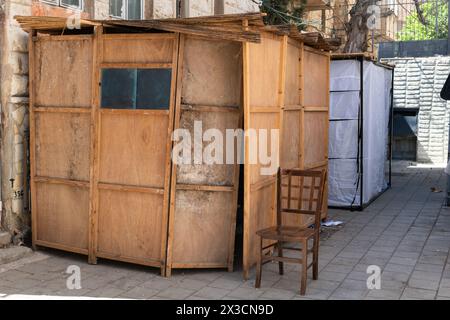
x=102, y=180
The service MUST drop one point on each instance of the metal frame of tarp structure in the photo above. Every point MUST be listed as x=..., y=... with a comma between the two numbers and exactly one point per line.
x=356, y=175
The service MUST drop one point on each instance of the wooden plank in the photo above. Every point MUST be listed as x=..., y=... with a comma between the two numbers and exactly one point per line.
x=140, y=36
x=173, y=167
x=62, y=110
x=201, y=108
x=131, y=65
x=196, y=187
x=316, y=82
x=132, y=112
x=31, y=89
x=175, y=104
x=143, y=262
x=61, y=247
x=126, y=188
x=97, y=55
x=67, y=182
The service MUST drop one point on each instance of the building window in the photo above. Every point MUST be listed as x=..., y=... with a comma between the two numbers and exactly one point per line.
x=136, y=88
x=71, y=4
x=126, y=9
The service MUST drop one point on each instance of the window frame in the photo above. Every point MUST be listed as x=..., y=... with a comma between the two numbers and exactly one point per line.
x=135, y=107
x=125, y=14
x=59, y=3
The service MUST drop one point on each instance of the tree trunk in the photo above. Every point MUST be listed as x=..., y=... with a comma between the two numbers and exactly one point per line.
x=357, y=28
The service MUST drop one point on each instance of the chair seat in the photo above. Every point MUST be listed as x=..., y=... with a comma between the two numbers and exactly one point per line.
x=286, y=233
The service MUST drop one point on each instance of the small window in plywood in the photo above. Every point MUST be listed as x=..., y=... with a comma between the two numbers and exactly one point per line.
x=136, y=88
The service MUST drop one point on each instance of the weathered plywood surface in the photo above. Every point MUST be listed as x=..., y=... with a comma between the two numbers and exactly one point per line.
x=123, y=50
x=292, y=83
x=290, y=140
x=204, y=174
x=130, y=224
x=133, y=149
x=265, y=72
x=316, y=137
x=62, y=215
x=316, y=79
x=63, y=73
x=202, y=227
x=212, y=73
x=63, y=145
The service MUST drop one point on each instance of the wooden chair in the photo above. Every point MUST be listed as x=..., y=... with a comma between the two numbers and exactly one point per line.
x=299, y=192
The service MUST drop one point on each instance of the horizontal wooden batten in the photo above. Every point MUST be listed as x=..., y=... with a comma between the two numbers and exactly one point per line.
x=62, y=110
x=316, y=109
x=111, y=256
x=127, y=188
x=68, y=182
x=131, y=112
x=199, y=265
x=128, y=65
x=263, y=183
x=317, y=51
x=264, y=109
x=64, y=38
x=315, y=165
x=203, y=108
x=207, y=188
x=292, y=108
x=136, y=36
x=60, y=247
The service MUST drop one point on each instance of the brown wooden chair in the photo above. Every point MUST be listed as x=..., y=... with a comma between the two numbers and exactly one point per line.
x=299, y=192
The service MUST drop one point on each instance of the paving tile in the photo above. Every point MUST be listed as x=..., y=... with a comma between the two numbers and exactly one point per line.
x=414, y=293
x=212, y=293
x=139, y=293
x=175, y=293
x=246, y=293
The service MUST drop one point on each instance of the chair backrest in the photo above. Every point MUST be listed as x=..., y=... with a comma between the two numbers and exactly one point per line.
x=300, y=192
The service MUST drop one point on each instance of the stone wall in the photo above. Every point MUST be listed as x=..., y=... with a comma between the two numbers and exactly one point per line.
x=417, y=84
x=14, y=121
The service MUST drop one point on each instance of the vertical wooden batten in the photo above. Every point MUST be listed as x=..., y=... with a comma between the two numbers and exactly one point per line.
x=31, y=75
x=94, y=154
x=172, y=166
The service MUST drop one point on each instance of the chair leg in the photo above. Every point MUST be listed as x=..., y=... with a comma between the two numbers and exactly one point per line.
x=259, y=265
x=280, y=254
x=316, y=259
x=304, y=267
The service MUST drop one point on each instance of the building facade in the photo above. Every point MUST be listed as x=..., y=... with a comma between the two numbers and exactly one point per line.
x=15, y=215
x=417, y=85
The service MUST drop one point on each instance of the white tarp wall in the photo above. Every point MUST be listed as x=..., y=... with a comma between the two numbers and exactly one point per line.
x=345, y=147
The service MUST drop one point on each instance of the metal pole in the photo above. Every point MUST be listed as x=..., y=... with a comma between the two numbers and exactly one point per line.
x=361, y=81
x=391, y=128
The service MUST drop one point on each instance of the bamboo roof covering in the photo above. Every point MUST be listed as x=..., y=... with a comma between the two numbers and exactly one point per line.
x=235, y=27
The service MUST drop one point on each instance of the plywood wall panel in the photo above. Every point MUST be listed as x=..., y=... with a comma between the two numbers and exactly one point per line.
x=316, y=79
x=63, y=73
x=133, y=149
x=215, y=174
x=123, y=50
x=212, y=73
x=130, y=224
x=63, y=145
x=201, y=229
x=62, y=215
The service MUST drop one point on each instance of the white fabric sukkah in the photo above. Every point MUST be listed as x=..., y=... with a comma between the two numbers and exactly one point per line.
x=344, y=178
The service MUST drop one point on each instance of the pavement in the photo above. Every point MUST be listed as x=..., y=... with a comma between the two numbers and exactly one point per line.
x=404, y=234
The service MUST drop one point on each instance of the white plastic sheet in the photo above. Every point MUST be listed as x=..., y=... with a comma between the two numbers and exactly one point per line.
x=344, y=171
